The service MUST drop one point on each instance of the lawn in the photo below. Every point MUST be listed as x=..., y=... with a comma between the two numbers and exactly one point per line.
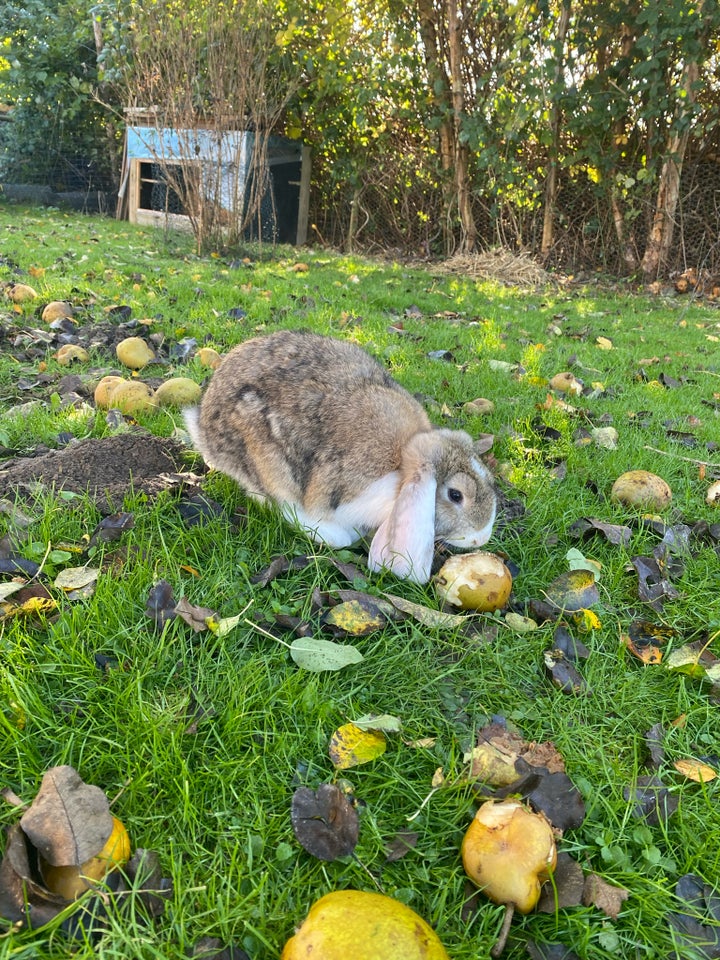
x=200, y=738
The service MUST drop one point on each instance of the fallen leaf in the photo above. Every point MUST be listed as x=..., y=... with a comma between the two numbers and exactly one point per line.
x=702, y=939
x=518, y=623
x=695, y=660
x=350, y=746
x=558, y=798
x=276, y=568
x=33, y=600
x=160, y=604
x=566, y=889
x=605, y=896
x=614, y=533
x=324, y=821
x=575, y=590
x=653, y=585
x=194, y=616
x=23, y=899
x=9, y=588
x=550, y=951
x=651, y=800
x=76, y=578
x=563, y=674
x=111, y=528
x=655, y=738
x=578, y=561
x=69, y=821
x=425, y=615
x=645, y=640
x=223, y=625
x=356, y=618
x=213, y=948
x=403, y=842
x=384, y=722
x=317, y=655
x=695, y=770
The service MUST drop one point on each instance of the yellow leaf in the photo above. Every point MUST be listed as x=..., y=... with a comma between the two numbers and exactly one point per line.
x=694, y=770
x=586, y=620
x=34, y=605
x=350, y=746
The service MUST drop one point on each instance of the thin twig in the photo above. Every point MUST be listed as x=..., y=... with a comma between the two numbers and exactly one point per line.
x=676, y=456
x=499, y=945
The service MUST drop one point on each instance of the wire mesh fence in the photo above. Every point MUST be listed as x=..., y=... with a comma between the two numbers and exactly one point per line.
x=398, y=210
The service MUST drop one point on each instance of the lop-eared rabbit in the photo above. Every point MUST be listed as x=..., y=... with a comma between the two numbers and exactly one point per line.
x=317, y=426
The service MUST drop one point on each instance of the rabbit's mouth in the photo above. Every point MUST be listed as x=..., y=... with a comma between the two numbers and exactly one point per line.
x=470, y=541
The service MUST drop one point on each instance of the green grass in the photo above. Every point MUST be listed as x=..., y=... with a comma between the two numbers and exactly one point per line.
x=215, y=803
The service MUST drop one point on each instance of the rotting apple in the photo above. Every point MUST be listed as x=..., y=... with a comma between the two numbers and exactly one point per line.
x=474, y=581
x=509, y=852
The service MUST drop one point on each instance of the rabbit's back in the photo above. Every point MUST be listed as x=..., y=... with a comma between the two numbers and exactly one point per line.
x=301, y=418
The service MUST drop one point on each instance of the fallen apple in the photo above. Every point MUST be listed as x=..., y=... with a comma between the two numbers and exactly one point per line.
x=509, y=852
x=57, y=310
x=72, y=881
x=20, y=292
x=131, y=396
x=178, y=392
x=566, y=382
x=134, y=352
x=363, y=926
x=209, y=357
x=639, y=488
x=712, y=497
x=474, y=581
x=104, y=389
x=71, y=352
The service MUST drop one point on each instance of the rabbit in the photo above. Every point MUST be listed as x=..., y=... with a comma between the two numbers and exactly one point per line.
x=320, y=428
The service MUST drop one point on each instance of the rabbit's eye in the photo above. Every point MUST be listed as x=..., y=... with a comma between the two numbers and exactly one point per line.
x=455, y=495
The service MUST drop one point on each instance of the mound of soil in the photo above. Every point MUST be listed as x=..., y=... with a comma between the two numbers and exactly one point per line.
x=105, y=469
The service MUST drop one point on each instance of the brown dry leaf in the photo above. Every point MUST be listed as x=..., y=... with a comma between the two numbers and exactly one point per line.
x=324, y=821
x=566, y=889
x=401, y=843
x=604, y=896
x=494, y=759
x=695, y=770
x=22, y=899
x=194, y=616
x=69, y=821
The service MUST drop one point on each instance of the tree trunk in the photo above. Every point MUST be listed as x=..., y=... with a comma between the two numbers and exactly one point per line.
x=468, y=240
x=551, y=181
x=657, y=250
x=434, y=61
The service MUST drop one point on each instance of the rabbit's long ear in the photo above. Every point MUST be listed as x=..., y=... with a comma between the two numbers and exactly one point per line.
x=405, y=541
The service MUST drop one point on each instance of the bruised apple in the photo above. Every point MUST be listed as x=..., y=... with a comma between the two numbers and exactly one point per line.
x=509, y=852
x=363, y=926
x=474, y=581
x=639, y=488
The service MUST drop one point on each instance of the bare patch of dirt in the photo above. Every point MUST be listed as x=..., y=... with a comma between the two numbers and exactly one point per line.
x=106, y=469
